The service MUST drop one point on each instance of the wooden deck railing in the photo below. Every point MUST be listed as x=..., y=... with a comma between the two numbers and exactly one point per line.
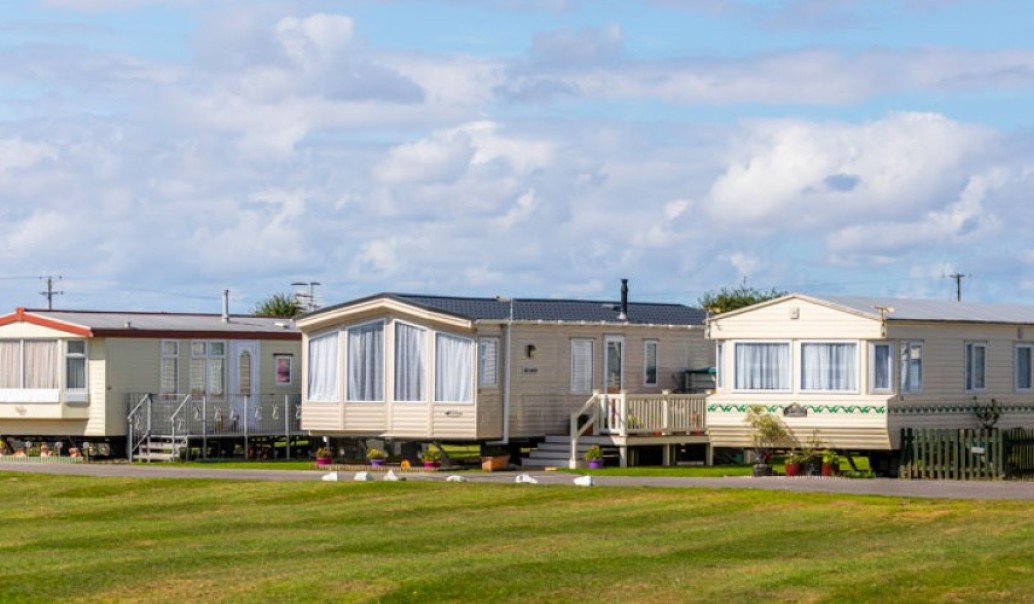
x=638, y=415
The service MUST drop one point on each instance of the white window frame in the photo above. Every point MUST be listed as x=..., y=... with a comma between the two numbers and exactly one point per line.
x=77, y=395
x=439, y=395
x=873, y=388
x=426, y=352
x=310, y=372
x=1030, y=367
x=790, y=370
x=801, y=367
x=486, y=378
x=969, y=356
x=656, y=344
x=719, y=369
x=208, y=356
x=580, y=383
x=905, y=367
x=383, y=361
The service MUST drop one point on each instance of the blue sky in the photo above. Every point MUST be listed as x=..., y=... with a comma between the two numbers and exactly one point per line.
x=156, y=152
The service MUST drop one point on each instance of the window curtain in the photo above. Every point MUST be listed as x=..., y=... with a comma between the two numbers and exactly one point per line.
x=11, y=364
x=453, y=369
x=75, y=378
x=323, y=368
x=881, y=366
x=366, y=363
x=41, y=364
x=829, y=366
x=581, y=366
x=762, y=366
x=410, y=362
x=488, y=364
x=911, y=366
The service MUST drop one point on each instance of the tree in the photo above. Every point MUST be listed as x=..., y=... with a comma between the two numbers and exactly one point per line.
x=726, y=299
x=278, y=305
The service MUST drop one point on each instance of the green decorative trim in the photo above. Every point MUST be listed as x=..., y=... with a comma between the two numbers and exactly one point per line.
x=959, y=409
x=817, y=409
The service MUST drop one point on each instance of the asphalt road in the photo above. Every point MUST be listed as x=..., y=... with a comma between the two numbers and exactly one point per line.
x=939, y=489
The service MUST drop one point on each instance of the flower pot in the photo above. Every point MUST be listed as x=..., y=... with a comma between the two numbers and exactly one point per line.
x=377, y=463
x=828, y=469
x=762, y=469
x=431, y=465
x=793, y=469
x=324, y=461
x=595, y=464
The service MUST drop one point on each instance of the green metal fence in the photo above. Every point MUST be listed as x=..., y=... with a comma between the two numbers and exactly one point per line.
x=986, y=454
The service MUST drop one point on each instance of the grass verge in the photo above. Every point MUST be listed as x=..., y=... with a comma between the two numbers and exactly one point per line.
x=112, y=539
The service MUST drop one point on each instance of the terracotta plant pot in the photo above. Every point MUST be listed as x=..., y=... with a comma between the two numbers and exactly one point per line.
x=828, y=469
x=794, y=469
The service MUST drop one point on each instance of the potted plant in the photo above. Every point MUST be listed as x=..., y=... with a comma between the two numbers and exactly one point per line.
x=767, y=433
x=830, y=462
x=376, y=456
x=594, y=457
x=323, y=457
x=794, y=462
x=432, y=457
x=494, y=458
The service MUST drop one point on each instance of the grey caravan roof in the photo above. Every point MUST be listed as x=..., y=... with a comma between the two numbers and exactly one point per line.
x=124, y=323
x=531, y=309
x=905, y=309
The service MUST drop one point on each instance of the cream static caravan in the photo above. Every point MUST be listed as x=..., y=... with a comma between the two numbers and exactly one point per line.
x=856, y=370
x=421, y=368
x=76, y=375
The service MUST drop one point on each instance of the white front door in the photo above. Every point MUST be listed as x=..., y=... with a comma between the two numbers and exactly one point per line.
x=613, y=367
x=244, y=378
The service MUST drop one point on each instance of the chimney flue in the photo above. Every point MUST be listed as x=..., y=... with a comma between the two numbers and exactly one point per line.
x=226, y=306
x=624, y=300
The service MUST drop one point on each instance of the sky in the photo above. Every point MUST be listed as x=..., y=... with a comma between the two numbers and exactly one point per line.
x=156, y=152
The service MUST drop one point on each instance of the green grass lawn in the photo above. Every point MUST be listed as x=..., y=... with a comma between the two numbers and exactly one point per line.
x=112, y=539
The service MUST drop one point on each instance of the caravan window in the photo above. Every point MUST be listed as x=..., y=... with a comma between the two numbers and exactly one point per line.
x=762, y=366
x=829, y=366
x=366, y=362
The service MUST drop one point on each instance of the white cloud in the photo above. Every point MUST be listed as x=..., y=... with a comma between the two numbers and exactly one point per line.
x=797, y=175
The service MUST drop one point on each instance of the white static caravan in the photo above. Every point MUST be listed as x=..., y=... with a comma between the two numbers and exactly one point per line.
x=76, y=374
x=421, y=368
x=856, y=370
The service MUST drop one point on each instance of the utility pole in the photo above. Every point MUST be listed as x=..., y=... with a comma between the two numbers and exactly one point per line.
x=50, y=293
x=958, y=284
x=307, y=300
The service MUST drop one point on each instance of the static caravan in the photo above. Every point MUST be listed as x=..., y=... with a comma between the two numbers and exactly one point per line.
x=424, y=368
x=79, y=375
x=854, y=371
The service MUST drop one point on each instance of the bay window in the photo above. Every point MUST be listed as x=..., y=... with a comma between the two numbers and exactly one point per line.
x=410, y=363
x=366, y=362
x=454, y=371
x=322, y=368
